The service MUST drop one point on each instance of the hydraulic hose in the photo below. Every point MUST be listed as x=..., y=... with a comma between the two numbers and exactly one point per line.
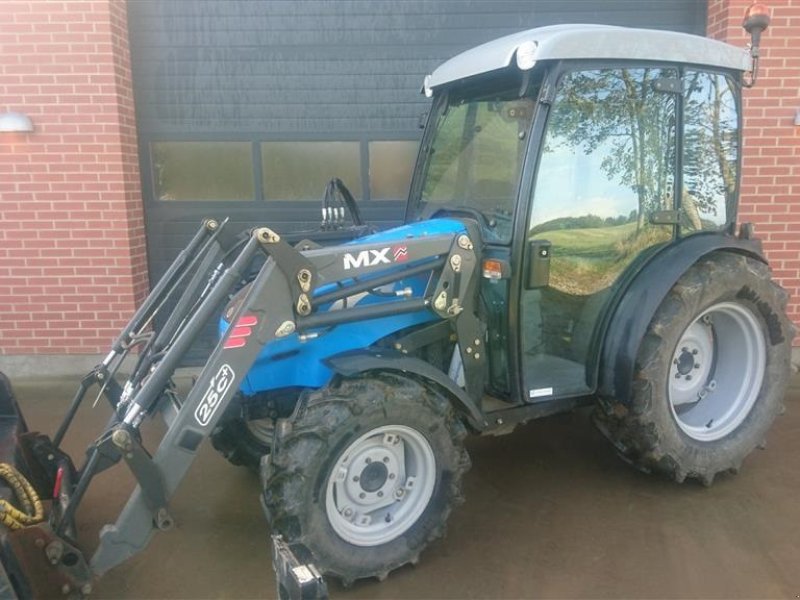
x=32, y=511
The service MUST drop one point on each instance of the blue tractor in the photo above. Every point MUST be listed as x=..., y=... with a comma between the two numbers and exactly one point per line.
x=570, y=240
x=583, y=181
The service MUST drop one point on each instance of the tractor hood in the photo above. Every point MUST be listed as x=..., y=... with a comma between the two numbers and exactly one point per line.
x=297, y=361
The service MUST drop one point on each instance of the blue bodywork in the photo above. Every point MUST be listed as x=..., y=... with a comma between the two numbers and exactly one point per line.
x=288, y=362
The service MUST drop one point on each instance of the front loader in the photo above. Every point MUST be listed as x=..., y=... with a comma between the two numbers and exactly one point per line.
x=570, y=240
x=436, y=269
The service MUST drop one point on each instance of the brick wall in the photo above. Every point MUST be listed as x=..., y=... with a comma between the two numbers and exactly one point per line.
x=771, y=159
x=72, y=247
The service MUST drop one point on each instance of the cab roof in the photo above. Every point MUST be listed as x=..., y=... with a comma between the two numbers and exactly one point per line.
x=591, y=42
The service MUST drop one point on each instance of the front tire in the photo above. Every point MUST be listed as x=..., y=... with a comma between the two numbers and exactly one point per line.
x=365, y=474
x=711, y=373
x=243, y=442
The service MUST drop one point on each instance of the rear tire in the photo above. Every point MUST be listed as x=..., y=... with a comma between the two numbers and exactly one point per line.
x=711, y=373
x=365, y=474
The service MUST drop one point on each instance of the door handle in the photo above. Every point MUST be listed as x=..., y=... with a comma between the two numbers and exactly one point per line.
x=538, y=274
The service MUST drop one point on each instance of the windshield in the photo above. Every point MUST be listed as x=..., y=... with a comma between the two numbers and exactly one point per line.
x=473, y=160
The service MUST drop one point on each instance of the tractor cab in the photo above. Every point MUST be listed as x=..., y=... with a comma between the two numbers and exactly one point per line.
x=582, y=151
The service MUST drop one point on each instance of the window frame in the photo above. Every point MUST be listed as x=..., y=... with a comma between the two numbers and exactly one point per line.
x=735, y=82
x=148, y=171
x=557, y=74
x=551, y=79
x=531, y=84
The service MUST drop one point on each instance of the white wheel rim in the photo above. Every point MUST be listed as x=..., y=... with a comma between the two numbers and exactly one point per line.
x=380, y=485
x=716, y=372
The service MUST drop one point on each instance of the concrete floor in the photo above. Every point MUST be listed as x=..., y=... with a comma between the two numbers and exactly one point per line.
x=550, y=512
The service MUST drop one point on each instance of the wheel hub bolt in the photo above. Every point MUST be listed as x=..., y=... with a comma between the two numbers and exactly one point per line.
x=386, y=459
x=677, y=375
x=694, y=351
x=380, y=494
x=688, y=378
x=399, y=492
x=391, y=475
x=369, y=460
x=355, y=478
x=696, y=365
x=362, y=495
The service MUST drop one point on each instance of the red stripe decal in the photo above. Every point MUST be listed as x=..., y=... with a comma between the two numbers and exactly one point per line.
x=57, y=486
x=247, y=321
x=234, y=343
x=240, y=332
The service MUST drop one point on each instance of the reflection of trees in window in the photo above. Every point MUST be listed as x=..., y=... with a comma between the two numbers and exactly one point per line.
x=618, y=112
x=710, y=149
x=608, y=163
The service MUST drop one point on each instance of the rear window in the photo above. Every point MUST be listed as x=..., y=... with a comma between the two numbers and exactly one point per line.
x=710, y=152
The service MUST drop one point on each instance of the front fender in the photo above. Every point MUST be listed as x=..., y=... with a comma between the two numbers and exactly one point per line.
x=644, y=294
x=349, y=364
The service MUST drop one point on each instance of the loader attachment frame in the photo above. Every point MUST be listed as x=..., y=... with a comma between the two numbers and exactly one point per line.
x=282, y=301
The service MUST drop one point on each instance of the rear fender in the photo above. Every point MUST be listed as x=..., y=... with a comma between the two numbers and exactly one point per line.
x=634, y=311
x=350, y=364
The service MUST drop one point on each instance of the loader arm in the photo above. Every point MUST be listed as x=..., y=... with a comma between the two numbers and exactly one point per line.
x=287, y=298
x=280, y=303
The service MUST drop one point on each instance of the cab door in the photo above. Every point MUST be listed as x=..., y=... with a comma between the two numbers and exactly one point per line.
x=605, y=180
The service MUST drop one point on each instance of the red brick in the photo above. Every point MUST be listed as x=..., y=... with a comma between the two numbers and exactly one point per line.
x=771, y=177
x=68, y=64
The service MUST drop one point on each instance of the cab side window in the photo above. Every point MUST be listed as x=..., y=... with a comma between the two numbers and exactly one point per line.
x=710, y=152
x=607, y=167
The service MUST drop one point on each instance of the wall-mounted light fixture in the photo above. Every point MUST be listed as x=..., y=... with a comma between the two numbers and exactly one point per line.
x=15, y=122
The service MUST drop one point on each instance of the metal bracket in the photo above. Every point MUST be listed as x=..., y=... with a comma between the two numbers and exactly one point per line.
x=438, y=331
x=668, y=85
x=665, y=217
x=450, y=294
x=295, y=579
x=47, y=564
x=300, y=273
x=147, y=474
